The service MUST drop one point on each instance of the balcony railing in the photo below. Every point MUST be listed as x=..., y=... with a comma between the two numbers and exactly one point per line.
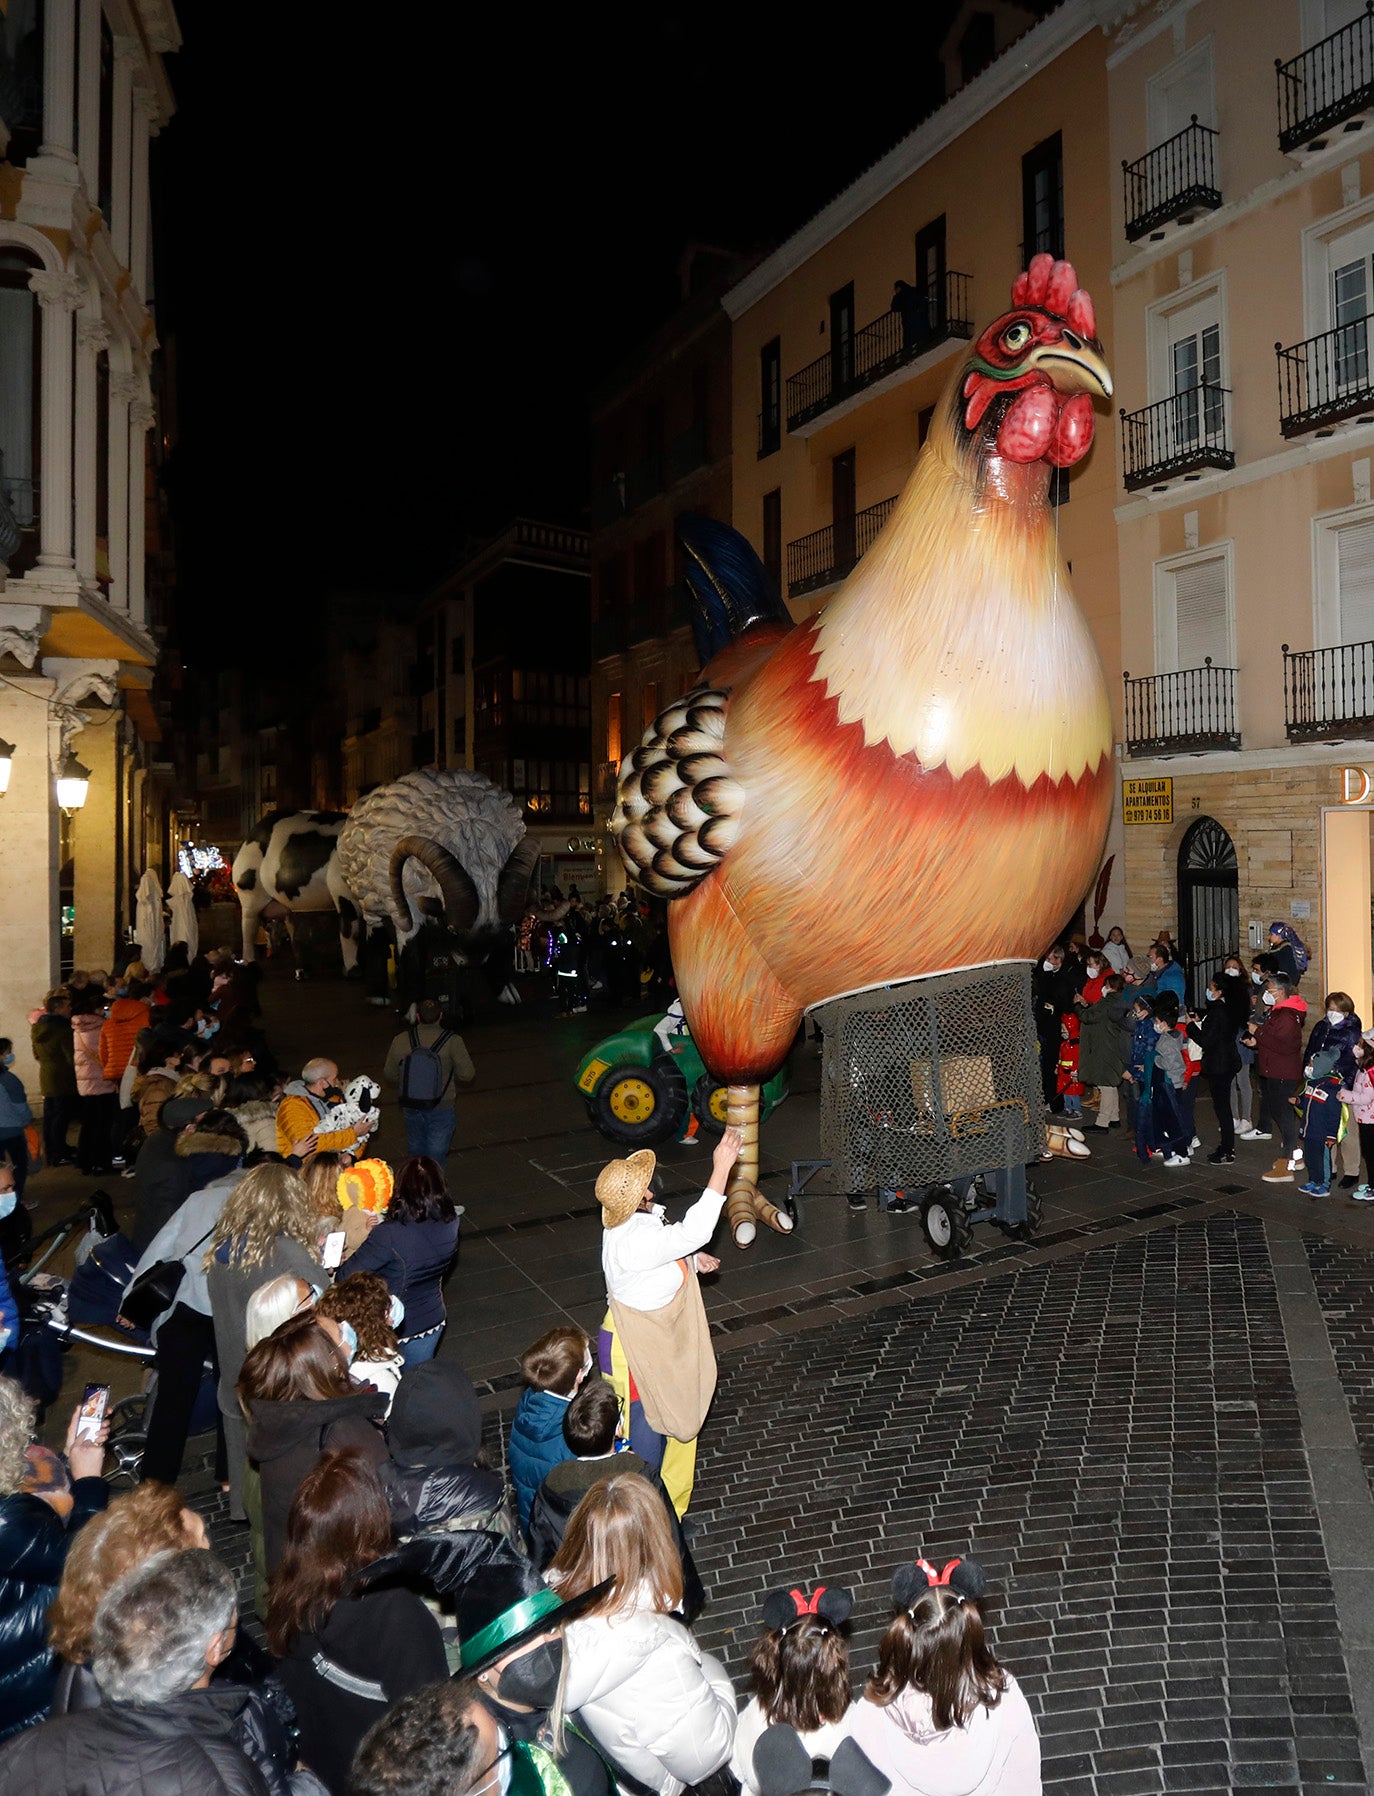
x=1325, y=379
x=828, y=554
x=1178, y=436
x=890, y=342
x=1174, y=713
x=1174, y=179
x=1326, y=85
x=1328, y=693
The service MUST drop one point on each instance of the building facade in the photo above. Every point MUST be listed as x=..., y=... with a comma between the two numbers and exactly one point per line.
x=503, y=685
x=84, y=89
x=1243, y=278
x=661, y=446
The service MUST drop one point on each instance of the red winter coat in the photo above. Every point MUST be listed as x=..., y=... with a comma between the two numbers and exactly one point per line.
x=1278, y=1041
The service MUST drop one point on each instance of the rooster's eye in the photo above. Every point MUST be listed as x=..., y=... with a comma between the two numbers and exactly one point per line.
x=1016, y=336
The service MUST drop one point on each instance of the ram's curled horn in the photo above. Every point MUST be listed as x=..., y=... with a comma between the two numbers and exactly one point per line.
x=460, y=895
x=513, y=887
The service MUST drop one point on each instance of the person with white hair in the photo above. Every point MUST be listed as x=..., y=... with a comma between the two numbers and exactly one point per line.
x=273, y=1303
x=162, y=1728
x=303, y=1103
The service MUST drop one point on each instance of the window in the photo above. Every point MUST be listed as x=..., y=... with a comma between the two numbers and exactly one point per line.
x=105, y=150
x=649, y=710
x=1321, y=18
x=842, y=337
x=1180, y=93
x=770, y=397
x=930, y=271
x=1042, y=198
x=1193, y=611
x=1344, y=559
x=1188, y=365
x=19, y=386
x=613, y=750
x=842, y=507
x=772, y=535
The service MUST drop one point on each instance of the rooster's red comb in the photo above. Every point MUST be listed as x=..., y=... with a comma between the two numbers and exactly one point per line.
x=1053, y=286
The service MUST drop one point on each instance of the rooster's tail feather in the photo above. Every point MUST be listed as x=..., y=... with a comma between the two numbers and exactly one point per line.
x=731, y=589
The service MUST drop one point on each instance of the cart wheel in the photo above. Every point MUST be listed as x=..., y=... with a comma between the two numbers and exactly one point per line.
x=1035, y=1215
x=945, y=1224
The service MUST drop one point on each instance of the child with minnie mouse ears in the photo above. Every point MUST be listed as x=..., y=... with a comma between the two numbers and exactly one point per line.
x=940, y=1716
x=799, y=1676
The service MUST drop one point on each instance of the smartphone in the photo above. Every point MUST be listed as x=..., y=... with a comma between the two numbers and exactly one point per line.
x=333, y=1250
x=94, y=1403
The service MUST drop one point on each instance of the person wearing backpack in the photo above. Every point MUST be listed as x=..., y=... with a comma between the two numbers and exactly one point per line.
x=427, y=1063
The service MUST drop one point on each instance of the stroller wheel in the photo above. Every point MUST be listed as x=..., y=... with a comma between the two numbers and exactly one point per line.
x=128, y=1438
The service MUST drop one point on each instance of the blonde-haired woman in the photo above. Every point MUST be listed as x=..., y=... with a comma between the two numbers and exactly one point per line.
x=663, y=1710
x=268, y=1229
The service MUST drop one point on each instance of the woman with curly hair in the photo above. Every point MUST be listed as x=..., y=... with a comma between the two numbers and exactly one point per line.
x=34, y=1538
x=149, y=1519
x=364, y=1303
x=269, y=1227
x=299, y=1400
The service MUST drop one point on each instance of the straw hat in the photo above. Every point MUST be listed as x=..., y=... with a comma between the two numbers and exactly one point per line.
x=620, y=1187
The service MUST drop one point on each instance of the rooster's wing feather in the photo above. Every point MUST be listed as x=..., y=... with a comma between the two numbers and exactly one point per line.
x=677, y=808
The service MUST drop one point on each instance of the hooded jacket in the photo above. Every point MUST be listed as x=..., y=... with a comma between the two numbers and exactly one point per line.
x=1278, y=1040
x=151, y=1092
x=1104, y=1040
x=297, y=1115
x=536, y=1444
x=187, y=1746
x=661, y=1708
x=52, y=1049
x=258, y=1120
x=286, y=1438
x=33, y=1550
x=996, y=1752
x=207, y=1156
x=90, y=1075
x=15, y=1114
x=435, y=1434
x=127, y=1017
x=160, y=1186
x=1342, y=1037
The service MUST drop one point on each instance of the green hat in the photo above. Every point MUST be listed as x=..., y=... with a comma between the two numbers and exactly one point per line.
x=502, y=1605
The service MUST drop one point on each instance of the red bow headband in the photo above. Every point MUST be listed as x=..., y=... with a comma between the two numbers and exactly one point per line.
x=934, y=1577
x=805, y=1606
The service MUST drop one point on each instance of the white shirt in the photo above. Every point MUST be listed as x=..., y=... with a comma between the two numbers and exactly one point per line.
x=640, y=1257
x=1116, y=956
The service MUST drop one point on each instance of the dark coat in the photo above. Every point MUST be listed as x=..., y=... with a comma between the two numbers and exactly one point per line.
x=1342, y=1037
x=564, y=1489
x=33, y=1550
x=162, y=1183
x=1104, y=1041
x=425, y=1498
x=52, y=1049
x=1216, y=1036
x=1052, y=996
x=536, y=1445
x=188, y=1746
x=1278, y=1041
x=425, y=1251
x=286, y=1439
x=386, y=1638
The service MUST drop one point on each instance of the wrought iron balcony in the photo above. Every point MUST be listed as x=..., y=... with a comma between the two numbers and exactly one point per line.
x=1328, y=693
x=1179, y=713
x=1325, y=379
x=1172, y=181
x=1327, y=85
x=892, y=341
x=828, y=554
x=1177, y=437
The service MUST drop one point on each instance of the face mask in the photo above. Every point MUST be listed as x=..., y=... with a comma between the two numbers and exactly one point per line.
x=1257, y=979
x=8, y=1199
x=1332, y=1016
x=1269, y=998
x=348, y=1341
x=6, y=1059
x=1231, y=972
x=205, y=1029
x=1048, y=965
x=533, y=1678
x=397, y=1313
x=1093, y=969
x=333, y=1094
x=1161, y=1028
x=1214, y=997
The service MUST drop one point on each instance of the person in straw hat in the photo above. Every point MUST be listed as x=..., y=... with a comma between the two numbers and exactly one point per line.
x=655, y=1346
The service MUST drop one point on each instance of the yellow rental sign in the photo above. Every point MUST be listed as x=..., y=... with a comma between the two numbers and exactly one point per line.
x=1147, y=801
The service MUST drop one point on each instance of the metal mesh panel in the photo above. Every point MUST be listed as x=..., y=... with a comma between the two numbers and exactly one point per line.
x=935, y=1077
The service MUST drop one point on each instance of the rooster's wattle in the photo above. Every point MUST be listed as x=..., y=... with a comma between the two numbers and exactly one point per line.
x=919, y=776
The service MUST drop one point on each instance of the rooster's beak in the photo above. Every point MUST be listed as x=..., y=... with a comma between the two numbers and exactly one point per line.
x=1074, y=367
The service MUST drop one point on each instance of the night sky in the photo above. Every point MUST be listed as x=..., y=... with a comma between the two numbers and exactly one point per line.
x=397, y=250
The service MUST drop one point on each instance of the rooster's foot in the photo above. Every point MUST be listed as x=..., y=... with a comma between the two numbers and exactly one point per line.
x=747, y=1208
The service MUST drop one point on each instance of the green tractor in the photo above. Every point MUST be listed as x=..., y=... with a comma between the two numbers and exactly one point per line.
x=638, y=1095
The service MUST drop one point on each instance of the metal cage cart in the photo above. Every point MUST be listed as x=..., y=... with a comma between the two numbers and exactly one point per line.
x=933, y=1084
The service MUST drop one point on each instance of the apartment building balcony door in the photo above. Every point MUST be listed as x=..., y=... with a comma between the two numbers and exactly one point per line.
x=1208, y=903
x=842, y=509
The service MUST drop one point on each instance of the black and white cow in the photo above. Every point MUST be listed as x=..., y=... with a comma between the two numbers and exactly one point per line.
x=288, y=865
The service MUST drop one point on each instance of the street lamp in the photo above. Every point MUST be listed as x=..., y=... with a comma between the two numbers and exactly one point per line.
x=72, y=782
x=6, y=762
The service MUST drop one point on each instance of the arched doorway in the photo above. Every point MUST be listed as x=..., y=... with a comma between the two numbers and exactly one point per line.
x=1208, y=902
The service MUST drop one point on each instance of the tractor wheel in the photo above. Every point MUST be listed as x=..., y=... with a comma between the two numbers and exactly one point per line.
x=945, y=1224
x=640, y=1106
x=709, y=1107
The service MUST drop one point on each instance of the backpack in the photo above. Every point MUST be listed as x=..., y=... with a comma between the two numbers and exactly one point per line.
x=423, y=1079
x=1301, y=957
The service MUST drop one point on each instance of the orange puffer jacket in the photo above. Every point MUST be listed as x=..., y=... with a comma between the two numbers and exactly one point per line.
x=127, y=1016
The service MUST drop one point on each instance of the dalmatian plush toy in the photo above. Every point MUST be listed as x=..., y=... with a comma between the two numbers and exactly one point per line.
x=359, y=1106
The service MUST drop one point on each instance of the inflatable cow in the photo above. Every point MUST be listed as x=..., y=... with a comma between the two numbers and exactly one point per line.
x=289, y=865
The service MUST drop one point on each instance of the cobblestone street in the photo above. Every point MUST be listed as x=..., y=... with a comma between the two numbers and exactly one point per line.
x=1154, y=1423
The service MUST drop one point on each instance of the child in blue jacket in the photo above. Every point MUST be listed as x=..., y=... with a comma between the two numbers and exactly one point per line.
x=554, y=1369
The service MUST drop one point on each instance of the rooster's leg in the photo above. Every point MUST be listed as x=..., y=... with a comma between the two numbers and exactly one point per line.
x=745, y=1205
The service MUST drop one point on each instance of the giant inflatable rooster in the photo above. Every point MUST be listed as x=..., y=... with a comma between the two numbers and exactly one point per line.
x=917, y=778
